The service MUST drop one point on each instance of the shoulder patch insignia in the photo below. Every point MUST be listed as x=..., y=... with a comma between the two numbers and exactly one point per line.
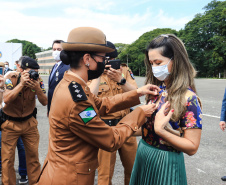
x=88, y=114
x=8, y=81
x=77, y=92
x=131, y=73
x=9, y=84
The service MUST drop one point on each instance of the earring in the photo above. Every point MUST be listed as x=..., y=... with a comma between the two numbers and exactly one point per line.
x=87, y=64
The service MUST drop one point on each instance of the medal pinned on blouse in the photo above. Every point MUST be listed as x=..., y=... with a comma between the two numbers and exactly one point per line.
x=57, y=74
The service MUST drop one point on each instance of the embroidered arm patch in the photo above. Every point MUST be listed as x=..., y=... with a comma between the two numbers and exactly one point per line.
x=77, y=92
x=9, y=84
x=42, y=86
x=131, y=74
x=88, y=114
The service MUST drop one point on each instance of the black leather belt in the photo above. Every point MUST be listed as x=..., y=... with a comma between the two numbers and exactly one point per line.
x=18, y=119
x=111, y=122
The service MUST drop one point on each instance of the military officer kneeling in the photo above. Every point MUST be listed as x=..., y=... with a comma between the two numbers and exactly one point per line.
x=20, y=112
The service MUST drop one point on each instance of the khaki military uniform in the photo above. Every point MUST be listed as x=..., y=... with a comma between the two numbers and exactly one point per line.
x=127, y=152
x=77, y=132
x=23, y=106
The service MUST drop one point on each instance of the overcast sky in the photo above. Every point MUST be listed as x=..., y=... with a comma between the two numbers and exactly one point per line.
x=123, y=21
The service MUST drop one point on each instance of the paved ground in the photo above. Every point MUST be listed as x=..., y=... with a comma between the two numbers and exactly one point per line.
x=204, y=168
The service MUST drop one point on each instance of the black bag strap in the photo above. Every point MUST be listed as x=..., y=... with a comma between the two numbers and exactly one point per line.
x=18, y=80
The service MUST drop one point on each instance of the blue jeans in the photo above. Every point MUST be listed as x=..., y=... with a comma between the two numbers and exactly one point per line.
x=21, y=154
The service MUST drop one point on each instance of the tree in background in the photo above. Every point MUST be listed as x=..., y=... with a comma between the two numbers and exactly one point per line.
x=205, y=39
x=121, y=47
x=29, y=49
x=134, y=53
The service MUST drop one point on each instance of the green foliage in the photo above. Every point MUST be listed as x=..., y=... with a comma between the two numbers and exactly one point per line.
x=205, y=39
x=49, y=48
x=29, y=49
x=120, y=47
x=134, y=53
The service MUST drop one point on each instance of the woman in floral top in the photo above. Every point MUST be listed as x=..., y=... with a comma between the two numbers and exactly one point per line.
x=175, y=127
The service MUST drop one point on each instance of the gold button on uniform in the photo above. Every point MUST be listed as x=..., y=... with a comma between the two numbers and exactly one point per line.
x=89, y=169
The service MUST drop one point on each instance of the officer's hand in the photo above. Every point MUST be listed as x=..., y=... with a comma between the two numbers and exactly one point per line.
x=2, y=81
x=25, y=77
x=115, y=74
x=161, y=118
x=222, y=125
x=148, y=89
x=33, y=84
x=148, y=109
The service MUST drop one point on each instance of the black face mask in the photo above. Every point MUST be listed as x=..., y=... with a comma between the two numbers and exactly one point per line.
x=92, y=74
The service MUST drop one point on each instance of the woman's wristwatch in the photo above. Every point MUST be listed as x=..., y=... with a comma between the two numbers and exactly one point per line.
x=122, y=82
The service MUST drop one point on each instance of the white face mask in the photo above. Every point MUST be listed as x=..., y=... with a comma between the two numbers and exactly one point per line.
x=6, y=66
x=56, y=55
x=161, y=72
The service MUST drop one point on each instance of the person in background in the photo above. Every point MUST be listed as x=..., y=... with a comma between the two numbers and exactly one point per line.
x=223, y=120
x=175, y=127
x=57, y=71
x=19, y=113
x=7, y=67
x=15, y=65
x=20, y=146
x=76, y=129
x=110, y=83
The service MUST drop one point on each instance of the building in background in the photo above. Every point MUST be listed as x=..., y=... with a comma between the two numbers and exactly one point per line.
x=45, y=61
x=10, y=52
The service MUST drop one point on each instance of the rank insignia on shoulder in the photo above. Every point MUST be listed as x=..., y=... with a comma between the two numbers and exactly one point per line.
x=77, y=92
x=88, y=114
x=131, y=74
x=9, y=86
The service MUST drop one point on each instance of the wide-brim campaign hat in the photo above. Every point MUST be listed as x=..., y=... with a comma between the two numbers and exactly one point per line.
x=87, y=39
x=2, y=64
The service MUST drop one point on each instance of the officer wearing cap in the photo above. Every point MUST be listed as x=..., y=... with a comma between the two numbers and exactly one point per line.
x=76, y=130
x=19, y=113
x=110, y=83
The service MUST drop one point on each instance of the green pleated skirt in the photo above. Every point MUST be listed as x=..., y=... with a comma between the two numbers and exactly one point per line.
x=154, y=166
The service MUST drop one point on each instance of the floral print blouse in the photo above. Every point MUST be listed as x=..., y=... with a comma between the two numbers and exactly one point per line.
x=191, y=119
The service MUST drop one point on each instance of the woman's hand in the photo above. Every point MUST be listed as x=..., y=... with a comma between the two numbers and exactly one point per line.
x=2, y=81
x=162, y=118
x=148, y=109
x=148, y=89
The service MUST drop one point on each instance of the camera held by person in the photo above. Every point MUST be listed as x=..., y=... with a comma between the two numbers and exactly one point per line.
x=33, y=74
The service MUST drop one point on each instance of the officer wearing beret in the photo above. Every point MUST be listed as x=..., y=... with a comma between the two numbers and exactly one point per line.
x=76, y=130
x=19, y=113
x=110, y=83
